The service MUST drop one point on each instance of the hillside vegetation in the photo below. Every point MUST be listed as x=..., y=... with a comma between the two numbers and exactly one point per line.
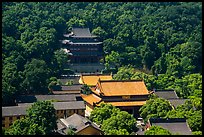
x=161, y=38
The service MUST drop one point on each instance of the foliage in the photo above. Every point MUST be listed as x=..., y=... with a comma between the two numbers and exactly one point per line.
x=122, y=121
x=70, y=132
x=43, y=114
x=36, y=74
x=157, y=130
x=197, y=133
x=187, y=111
x=162, y=37
x=85, y=89
x=103, y=112
x=25, y=126
x=40, y=120
x=128, y=72
x=195, y=120
x=112, y=120
x=54, y=84
x=155, y=108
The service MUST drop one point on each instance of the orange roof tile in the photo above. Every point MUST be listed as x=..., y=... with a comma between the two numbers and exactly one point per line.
x=126, y=103
x=122, y=87
x=91, y=98
x=91, y=80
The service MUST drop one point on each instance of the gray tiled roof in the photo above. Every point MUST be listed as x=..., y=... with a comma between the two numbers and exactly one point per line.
x=78, y=122
x=69, y=105
x=176, y=102
x=21, y=108
x=14, y=111
x=34, y=98
x=174, y=125
x=82, y=32
x=62, y=105
x=166, y=94
x=72, y=87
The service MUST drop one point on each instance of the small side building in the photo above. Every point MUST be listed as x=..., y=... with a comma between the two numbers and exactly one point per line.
x=11, y=114
x=62, y=110
x=174, y=125
x=171, y=96
x=79, y=124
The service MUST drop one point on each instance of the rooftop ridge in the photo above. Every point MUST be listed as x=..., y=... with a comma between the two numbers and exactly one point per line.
x=164, y=120
x=121, y=80
x=164, y=90
x=94, y=74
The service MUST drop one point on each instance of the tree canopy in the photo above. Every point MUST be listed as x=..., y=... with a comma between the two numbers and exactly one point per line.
x=113, y=121
x=40, y=120
x=157, y=130
x=155, y=108
x=158, y=37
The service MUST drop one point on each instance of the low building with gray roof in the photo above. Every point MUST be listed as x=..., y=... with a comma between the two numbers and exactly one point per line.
x=166, y=94
x=78, y=124
x=176, y=102
x=174, y=125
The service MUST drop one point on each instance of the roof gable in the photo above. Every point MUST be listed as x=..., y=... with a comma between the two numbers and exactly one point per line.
x=92, y=79
x=81, y=31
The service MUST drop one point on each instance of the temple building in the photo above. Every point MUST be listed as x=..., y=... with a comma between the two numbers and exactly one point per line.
x=128, y=95
x=83, y=48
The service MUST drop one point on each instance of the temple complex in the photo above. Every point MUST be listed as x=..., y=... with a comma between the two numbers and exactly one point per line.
x=84, y=50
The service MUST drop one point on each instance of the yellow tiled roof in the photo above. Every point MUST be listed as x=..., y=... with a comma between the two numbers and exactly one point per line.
x=125, y=87
x=91, y=80
x=125, y=103
x=91, y=98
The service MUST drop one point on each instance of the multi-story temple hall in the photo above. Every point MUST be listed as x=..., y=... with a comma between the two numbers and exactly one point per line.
x=84, y=50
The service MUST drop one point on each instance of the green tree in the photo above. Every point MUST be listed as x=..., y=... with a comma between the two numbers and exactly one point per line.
x=43, y=114
x=157, y=130
x=112, y=59
x=24, y=126
x=61, y=59
x=99, y=32
x=36, y=73
x=103, y=112
x=122, y=121
x=70, y=132
x=10, y=83
x=155, y=108
x=85, y=89
x=197, y=133
x=195, y=120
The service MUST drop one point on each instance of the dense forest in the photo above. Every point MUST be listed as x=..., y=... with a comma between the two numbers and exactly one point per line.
x=159, y=42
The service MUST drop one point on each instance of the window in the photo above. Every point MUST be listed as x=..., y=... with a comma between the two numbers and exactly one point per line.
x=3, y=118
x=3, y=125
